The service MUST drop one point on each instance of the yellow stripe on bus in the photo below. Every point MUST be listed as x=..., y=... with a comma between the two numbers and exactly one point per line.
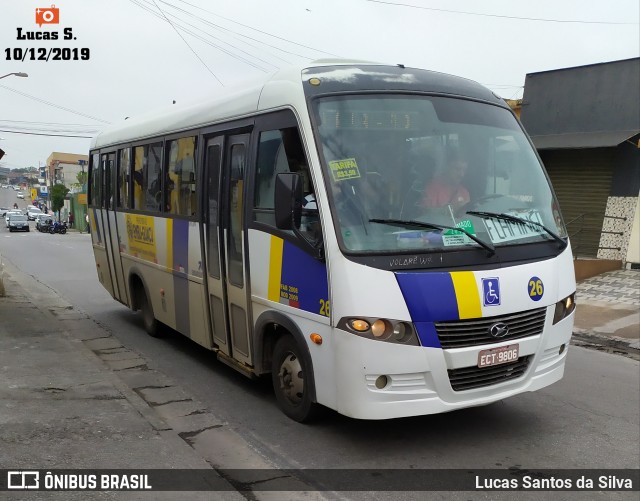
x=275, y=268
x=169, y=243
x=464, y=283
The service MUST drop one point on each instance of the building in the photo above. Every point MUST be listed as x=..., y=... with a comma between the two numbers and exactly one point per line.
x=585, y=124
x=63, y=168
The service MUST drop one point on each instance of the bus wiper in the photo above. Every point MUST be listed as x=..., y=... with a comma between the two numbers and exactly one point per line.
x=516, y=219
x=432, y=226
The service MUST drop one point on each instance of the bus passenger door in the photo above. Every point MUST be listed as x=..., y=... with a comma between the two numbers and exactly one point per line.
x=213, y=250
x=226, y=163
x=105, y=227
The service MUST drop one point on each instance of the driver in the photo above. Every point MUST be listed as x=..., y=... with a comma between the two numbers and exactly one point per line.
x=447, y=188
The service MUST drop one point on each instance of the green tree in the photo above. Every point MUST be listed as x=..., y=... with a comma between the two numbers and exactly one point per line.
x=58, y=192
x=82, y=178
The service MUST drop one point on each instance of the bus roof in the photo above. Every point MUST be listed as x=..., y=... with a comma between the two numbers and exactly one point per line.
x=284, y=87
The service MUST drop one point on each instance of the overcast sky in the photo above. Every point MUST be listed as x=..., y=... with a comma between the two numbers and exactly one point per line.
x=138, y=61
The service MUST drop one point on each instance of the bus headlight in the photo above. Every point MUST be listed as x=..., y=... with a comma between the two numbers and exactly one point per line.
x=564, y=308
x=381, y=329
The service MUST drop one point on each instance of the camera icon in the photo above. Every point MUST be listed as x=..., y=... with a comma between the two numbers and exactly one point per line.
x=47, y=15
x=23, y=480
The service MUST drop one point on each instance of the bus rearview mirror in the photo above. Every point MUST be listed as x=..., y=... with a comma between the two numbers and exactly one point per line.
x=288, y=200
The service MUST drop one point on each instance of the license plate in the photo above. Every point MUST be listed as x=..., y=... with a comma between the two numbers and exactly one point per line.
x=497, y=356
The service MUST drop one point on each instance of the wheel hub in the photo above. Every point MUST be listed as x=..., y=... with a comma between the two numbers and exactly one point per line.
x=291, y=379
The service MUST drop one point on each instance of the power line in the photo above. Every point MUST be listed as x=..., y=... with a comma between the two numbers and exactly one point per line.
x=216, y=38
x=195, y=35
x=40, y=134
x=53, y=104
x=259, y=31
x=187, y=43
x=546, y=20
x=243, y=35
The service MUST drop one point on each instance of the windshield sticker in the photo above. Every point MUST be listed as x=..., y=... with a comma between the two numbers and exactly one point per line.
x=344, y=169
x=535, y=288
x=490, y=291
x=505, y=231
x=455, y=237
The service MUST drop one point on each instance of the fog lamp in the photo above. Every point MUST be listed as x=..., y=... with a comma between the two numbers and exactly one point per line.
x=378, y=328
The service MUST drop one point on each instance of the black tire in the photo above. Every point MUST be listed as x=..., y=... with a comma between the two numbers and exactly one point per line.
x=51, y=230
x=63, y=230
x=149, y=322
x=291, y=377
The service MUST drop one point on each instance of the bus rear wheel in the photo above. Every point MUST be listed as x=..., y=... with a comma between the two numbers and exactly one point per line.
x=290, y=378
x=151, y=325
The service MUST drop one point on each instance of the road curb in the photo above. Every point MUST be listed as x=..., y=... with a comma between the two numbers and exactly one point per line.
x=2, y=291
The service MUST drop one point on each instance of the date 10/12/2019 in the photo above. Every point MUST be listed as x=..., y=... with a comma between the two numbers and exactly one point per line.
x=50, y=54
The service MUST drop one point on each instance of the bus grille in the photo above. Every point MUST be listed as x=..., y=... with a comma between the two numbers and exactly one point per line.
x=475, y=331
x=468, y=378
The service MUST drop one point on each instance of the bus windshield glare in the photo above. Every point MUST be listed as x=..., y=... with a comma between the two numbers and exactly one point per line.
x=403, y=171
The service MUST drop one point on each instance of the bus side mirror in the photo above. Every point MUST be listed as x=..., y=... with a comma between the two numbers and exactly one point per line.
x=288, y=200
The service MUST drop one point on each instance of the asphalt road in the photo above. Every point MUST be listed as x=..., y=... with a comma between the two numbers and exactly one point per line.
x=590, y=419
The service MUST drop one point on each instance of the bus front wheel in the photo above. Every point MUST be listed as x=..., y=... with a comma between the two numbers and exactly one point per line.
x=290, y=378
x=148, y=319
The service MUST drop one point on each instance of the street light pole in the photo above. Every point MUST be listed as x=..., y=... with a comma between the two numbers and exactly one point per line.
x=19, y=74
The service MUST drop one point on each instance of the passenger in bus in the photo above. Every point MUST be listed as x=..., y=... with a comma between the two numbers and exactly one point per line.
x=447, y=189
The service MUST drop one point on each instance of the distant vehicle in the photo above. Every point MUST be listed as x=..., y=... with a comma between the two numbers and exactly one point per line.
x=58, y=227
x=18, y=222
x=43, y=222
x=20, y=195
x=3, y=211
x=10, y=213
x=32, y=213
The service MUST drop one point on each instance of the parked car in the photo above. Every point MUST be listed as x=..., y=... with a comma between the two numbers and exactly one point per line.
x=43, y=222
x=18, y=222
x=32, y=213
x=9, y=213
x=20, y=195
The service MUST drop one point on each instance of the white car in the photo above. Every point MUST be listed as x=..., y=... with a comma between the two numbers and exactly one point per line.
x=32, y=212
x=20, y=195
x=11, y=213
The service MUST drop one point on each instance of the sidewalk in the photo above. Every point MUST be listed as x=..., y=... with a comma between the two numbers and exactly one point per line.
x=71, y=396
x=608, y=313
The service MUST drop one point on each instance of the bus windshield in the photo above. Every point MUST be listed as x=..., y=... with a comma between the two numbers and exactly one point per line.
x=404, y=171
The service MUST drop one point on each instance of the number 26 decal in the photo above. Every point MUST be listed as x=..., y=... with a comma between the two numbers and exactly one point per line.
x=536, y=288
x=324, y=307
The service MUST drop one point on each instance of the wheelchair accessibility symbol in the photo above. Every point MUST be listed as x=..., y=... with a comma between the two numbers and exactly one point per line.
x=490, y=291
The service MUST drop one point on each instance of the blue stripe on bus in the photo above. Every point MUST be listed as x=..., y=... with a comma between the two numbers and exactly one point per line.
x=430, y=297
x=428, y=335
x=303, y=281
x=180, y=282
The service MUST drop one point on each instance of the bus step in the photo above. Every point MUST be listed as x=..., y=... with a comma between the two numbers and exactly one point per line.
x=234, y=364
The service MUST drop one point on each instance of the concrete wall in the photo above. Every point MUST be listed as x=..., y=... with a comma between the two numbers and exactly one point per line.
x=633, y=251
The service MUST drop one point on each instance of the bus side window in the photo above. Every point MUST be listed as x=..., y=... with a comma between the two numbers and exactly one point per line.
x=180, y=177
x=123, y=178
x=138, y=169
x=278, y=151
x=95, y=174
